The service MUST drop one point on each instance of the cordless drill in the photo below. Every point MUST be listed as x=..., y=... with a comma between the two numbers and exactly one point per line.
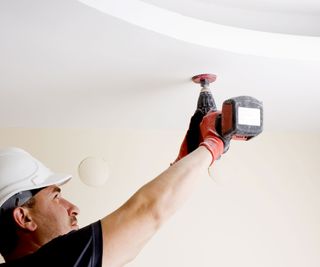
x=241, y=117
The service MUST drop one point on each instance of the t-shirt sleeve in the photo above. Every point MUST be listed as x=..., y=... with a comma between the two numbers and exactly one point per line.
x=81, y=248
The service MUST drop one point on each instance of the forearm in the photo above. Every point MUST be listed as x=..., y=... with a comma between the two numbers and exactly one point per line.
x=171, y=188
x=128, y=229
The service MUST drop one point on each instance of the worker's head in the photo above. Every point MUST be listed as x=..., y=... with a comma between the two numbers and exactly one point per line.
x=30, y=201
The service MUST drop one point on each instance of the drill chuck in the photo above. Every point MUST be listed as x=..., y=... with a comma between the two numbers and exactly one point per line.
x=206, y=102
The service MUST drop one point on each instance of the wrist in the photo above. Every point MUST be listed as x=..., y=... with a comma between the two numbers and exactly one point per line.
x=214, y=146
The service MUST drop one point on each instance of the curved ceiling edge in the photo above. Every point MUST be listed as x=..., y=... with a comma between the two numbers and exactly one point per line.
x=208, y=34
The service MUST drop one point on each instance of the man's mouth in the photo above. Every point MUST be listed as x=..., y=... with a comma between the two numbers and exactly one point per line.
x=74, y=223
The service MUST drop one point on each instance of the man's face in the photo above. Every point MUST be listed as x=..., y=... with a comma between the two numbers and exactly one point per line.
x=53, y=214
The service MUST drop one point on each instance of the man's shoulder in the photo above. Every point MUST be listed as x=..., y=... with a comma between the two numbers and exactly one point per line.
x=79, y=246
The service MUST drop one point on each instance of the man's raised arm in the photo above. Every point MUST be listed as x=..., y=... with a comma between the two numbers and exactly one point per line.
x=127, y=230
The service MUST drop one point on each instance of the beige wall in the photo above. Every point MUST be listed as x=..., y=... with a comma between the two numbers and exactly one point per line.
x=262, y=207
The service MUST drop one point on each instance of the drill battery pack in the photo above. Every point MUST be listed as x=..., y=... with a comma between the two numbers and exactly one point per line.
x=242, y=118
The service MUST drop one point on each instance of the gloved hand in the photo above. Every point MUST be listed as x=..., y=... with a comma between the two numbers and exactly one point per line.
x=211, y=139
x=193, y=137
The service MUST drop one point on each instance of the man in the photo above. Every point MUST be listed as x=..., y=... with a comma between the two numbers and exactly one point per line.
x=38, y=227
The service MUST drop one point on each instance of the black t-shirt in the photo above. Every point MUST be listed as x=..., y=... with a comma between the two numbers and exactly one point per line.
x=81, y=248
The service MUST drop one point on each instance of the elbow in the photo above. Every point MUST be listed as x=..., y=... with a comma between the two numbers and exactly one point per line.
x=153, y=208
x=160, y=210
x=158, y=215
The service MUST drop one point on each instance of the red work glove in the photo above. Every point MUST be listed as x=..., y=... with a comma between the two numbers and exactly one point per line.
x=211, y=139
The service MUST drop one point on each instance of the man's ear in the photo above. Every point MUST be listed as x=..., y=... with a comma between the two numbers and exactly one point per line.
x=23, y=219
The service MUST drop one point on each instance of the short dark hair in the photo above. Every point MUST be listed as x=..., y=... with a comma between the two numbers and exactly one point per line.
x=8, y=233
x=8, y=227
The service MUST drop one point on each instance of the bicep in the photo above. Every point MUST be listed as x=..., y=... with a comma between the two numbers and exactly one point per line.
x=127, y=230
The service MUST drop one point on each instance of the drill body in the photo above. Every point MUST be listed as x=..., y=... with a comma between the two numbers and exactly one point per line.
x=241, y=118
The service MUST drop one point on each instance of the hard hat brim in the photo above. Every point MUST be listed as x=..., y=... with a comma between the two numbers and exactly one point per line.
x=53, y=179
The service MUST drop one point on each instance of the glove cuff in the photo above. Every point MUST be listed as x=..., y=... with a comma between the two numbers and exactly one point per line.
x=215, y=146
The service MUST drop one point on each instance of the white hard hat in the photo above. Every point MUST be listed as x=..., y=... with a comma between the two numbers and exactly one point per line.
x=19, y=171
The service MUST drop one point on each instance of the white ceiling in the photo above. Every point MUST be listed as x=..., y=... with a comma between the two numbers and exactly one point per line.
x=69, y=64
x=282, y=16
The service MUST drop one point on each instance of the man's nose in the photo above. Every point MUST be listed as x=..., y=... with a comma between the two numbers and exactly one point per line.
x=74, y=210
x=71, y=208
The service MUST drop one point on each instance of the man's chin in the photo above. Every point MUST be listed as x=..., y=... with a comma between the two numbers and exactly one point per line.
x=74, y=227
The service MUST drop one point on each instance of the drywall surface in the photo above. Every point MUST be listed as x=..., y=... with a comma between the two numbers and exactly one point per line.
x=261, y=207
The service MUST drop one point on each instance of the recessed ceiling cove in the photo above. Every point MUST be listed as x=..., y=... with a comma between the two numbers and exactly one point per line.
x=281, y=16
x=202, y=31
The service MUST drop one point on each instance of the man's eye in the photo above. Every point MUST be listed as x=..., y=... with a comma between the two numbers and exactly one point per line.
x=57, y=196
